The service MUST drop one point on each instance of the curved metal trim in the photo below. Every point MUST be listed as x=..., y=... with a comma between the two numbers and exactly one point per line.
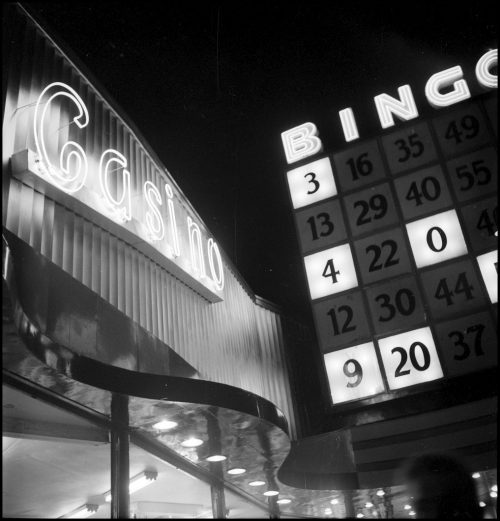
x=124, y=381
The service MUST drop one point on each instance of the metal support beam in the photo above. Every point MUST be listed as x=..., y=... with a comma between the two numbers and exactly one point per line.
x=218, y=501
x=40, y=430
x=120, y=500
x=274, y=509
x=349, y=504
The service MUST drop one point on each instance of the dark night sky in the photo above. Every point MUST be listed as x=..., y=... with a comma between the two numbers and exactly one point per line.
x=212, y=103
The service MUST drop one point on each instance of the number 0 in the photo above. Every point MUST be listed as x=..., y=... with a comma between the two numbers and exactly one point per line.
x=430, y=239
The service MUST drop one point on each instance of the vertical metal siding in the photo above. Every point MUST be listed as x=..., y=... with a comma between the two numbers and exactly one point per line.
x=234, y=341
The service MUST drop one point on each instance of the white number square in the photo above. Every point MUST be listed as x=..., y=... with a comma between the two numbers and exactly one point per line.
x=353, y=373
x=410, y=358
x=311, y=183
x=436, y=238
x=330, y=271
x=488, y=264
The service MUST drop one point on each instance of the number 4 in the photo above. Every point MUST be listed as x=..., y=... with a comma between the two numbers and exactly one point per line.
x=329, y=271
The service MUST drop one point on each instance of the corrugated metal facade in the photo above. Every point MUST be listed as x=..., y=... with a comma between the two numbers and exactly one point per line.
x=237, y=341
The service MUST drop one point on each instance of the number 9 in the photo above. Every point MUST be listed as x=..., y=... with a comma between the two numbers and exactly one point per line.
x=357, y=372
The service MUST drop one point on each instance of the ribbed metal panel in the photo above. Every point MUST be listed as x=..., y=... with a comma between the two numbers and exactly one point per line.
x=234, y=341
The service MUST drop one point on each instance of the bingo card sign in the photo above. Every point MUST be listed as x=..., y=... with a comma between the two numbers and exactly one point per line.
x=399, y=240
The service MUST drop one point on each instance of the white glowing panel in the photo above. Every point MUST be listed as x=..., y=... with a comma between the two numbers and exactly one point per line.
x=330, y=271
x=301, y=142
x=353, y=373
x=488, y=264
x=311, y=183
x=436, y=238
x=410, y=358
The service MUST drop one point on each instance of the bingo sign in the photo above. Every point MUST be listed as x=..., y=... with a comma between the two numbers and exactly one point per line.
x=399, y=241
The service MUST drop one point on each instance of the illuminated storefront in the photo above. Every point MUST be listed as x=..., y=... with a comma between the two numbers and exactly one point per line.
x=127, y=331
x=142, y=375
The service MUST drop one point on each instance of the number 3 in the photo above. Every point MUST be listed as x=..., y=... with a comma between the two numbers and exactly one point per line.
x=313, y=182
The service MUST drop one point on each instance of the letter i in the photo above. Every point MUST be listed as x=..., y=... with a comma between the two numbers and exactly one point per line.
x=173, y=222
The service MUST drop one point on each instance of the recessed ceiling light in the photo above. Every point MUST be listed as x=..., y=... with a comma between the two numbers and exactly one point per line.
x=216, y=457
x=360, y=515
x=236, y=471
x=328, y=511
x=192, y=442
x=476, y=475
x=334, y=501
x=257, y=483
x=368, y=505
x=482, y=504
x=407, y=507
x=380, y=493
x=411, y=513
x=284, y=501
x=271, y=493
x=494, y=488
x=493, y=494
x=164, y=425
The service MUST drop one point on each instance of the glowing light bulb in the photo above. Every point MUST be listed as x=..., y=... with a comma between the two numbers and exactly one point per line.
x=476, y=475
x=165, y=425
x=216, y=457
x=380, y=493
x=236, y=471
x=192, y=442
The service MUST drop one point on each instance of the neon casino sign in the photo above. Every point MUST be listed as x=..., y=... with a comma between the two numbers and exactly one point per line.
x=167, y=232
x=442, y=89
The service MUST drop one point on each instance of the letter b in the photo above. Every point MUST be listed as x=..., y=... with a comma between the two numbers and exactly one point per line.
x=300, y=142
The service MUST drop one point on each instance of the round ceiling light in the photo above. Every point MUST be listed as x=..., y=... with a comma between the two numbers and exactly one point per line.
x=368, y=505
x=334, y=501
x=257, y=483
x=236, y=471
x=407, y=507
x=216, y=457
x=284, y=501
x=380, y=493
x=476, y=475
x=271, y=493
x=192, y=442
x=165, y=425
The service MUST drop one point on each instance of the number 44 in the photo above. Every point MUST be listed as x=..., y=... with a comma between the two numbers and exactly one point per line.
x=462, y=286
